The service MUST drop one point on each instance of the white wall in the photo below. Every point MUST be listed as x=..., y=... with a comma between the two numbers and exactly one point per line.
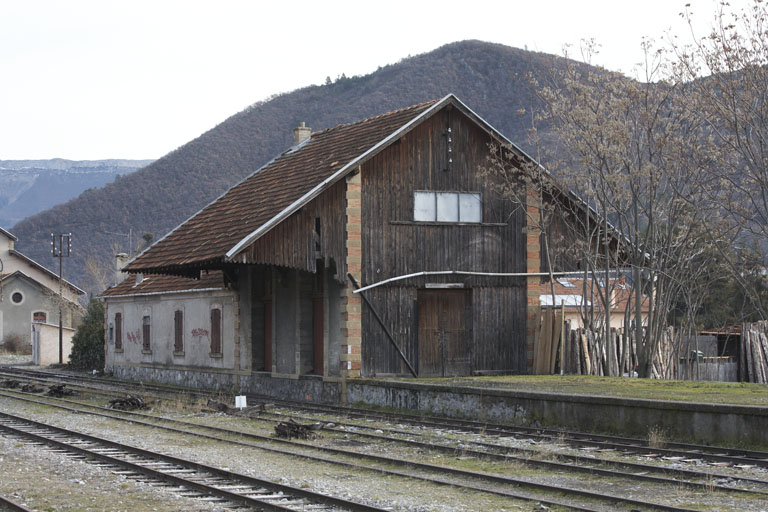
x=45, y=350
x=160, y=308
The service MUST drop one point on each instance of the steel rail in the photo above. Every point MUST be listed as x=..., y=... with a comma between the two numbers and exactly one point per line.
x=555, y=465
x=381, y=459
x=289, y=492
x=713, y=453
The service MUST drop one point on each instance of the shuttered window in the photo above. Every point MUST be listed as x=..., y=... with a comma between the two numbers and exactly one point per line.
x=118, y=331
x=178, y=331
x=145, y=331
x=215, y=331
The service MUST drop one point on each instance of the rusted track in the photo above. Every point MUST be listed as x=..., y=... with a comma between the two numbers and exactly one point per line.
x=439, y=470
x=252, y=492
x=577, y=439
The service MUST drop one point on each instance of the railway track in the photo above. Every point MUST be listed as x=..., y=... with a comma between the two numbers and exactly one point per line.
x=193, y=479
x=615, y=501
x=673, y=450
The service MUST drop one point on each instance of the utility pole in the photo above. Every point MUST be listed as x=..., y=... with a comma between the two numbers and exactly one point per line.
x=61, y=247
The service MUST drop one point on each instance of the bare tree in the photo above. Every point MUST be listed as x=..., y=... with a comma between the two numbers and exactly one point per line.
x=726, y=72
x=636, y=157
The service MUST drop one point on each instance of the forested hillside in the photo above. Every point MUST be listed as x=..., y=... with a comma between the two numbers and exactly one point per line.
x=489, y=78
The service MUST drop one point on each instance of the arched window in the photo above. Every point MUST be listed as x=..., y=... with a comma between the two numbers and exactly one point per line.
x=39, y=317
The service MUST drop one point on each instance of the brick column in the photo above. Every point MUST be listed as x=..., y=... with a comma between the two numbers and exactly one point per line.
x=532, y=265
x=351, y=304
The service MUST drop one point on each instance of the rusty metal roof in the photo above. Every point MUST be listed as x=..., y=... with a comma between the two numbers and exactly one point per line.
x=235, y=218
x=159, y=284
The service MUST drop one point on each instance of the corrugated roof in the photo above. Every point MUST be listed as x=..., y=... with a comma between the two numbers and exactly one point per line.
x=157, y=284
x=211, y=233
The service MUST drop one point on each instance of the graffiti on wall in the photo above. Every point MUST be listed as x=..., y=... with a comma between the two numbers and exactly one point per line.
x=134, y=336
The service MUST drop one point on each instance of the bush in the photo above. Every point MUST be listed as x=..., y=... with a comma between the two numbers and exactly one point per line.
x=88, y=341
x=14, y=344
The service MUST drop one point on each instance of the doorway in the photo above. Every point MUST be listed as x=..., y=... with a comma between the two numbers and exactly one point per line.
x=444, y=348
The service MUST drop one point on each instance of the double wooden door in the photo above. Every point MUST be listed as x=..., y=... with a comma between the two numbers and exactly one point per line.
x=444, y=347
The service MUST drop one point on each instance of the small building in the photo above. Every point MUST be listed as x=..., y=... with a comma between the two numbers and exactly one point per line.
x=402, y=207
x=585, y=298
x=171, y=321
x=29, y=300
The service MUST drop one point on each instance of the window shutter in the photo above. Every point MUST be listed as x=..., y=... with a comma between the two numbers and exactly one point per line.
x=178, y=331
x=216, y=331
x=118, y=331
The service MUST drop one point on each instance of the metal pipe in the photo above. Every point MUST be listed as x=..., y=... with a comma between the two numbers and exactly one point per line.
x=468, y=273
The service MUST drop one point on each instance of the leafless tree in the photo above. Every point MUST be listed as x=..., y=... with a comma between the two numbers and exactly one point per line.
x=726, y=72
x=636, y=158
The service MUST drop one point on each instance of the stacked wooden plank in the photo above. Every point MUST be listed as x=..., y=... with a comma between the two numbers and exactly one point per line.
x=754, y=352
x=549, y=343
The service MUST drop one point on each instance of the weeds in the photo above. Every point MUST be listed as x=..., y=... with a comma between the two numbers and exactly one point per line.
x=657, y=437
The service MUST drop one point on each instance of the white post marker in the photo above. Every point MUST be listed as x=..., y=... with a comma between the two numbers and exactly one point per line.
x=240, y=402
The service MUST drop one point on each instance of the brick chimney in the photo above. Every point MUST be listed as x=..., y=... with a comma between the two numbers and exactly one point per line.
x=301, y=133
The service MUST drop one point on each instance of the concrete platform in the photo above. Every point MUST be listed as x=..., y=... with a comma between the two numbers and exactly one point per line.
x=705, y=423
x=717, y=424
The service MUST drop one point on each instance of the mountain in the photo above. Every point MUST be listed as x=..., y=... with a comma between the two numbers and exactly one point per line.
x=30, y=186
x=489, y=78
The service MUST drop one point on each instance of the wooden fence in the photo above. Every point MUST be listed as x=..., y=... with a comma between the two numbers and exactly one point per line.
x=753, y=363
x=716, y=369
x=561, y=348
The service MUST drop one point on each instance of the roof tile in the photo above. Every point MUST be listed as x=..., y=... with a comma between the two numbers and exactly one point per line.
x=207, y=236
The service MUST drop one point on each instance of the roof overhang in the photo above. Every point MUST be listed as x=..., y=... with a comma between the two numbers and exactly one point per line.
x=9, y=234
x=21, y=275
x=50, y=273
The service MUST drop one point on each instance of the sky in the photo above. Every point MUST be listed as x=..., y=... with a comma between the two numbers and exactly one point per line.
x=99, y=79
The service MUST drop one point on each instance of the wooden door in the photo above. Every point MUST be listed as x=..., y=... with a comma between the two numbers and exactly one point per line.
x=444, y=349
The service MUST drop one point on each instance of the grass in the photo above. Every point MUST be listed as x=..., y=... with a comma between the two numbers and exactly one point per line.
x=737, y=393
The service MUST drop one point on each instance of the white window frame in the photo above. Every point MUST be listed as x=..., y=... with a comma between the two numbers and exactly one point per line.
x=437, y=215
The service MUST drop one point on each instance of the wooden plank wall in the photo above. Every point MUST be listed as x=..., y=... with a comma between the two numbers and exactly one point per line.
x=292, y=242
x=394, y=245
x=499, y=332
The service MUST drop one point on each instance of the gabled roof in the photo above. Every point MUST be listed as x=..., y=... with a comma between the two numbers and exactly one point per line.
x=220, y=231
x=5, y=278
x=162, y=284
x=33, y=263
x=248, y=210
